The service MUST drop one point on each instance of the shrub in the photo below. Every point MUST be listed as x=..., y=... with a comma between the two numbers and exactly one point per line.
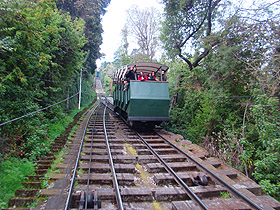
x=12, y=174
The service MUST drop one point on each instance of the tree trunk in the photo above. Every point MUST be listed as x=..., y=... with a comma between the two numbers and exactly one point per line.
x=175, y=96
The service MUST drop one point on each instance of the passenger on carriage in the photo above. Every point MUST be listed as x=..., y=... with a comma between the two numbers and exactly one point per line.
x=142, y=76
x=131, y=75
x=163, y=76
x=152, y=77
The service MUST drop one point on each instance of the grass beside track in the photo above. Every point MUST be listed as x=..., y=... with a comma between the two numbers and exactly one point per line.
x=12, y=173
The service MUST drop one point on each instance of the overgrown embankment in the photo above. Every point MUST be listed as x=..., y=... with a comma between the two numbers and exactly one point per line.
x=43, y=53
x=13, y=170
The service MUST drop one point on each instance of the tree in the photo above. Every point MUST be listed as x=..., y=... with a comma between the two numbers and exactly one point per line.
x=143, y=24
x=263, y=28
x=185, y=21
x=235, y=113
x=91, y=11
x=40, y=53
x=121, y=55
x=188, y=21
x=257, y=30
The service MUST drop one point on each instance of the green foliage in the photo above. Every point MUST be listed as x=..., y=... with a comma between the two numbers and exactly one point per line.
x=91, y=11
x=230, y=102
x=41, y=56
x=270, y=188
x=107, y=85
x=265, y=150
x=184, y=22
x=87, y=89
x=55, y=129
x=213, y=116
x=106, y=73
x=225, y=195
x=198, y=112
x=12, y=174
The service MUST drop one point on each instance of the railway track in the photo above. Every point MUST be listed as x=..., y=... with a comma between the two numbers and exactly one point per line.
x=147, y=171
x=110, y=166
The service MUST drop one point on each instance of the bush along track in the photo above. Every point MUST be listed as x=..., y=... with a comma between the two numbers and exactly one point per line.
x=29, y=197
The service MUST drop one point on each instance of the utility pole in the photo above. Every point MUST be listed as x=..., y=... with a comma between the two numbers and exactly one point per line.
x=80, y=91
x=67, y=102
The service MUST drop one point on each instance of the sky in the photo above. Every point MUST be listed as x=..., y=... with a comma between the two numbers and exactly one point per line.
x=113, y=22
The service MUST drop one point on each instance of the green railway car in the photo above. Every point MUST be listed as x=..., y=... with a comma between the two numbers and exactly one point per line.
x=143, y=101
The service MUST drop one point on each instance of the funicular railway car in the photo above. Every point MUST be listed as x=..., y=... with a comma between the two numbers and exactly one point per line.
x=142, y=102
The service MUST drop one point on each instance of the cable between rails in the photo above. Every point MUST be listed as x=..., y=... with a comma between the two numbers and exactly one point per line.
x=67, y=204
x=114, y=176
x=38, y=110
x=90, y=157
x=69, y=168
x=169, y=169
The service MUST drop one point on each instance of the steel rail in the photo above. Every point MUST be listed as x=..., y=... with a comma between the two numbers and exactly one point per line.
x=67, y=204
x=115, y=180
x=232, y=189
x=190, y=193
x=91, y=148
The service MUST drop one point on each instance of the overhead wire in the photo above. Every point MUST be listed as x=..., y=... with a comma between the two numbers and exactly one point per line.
x=38, y=110
x=39, y=79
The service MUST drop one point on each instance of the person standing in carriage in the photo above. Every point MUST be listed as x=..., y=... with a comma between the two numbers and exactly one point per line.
x=163, y=76
x=131, y=75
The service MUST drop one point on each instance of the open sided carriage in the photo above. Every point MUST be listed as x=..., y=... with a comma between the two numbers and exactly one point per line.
x=144, y=102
